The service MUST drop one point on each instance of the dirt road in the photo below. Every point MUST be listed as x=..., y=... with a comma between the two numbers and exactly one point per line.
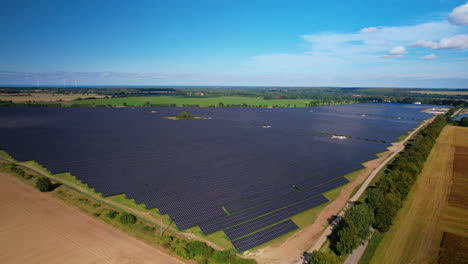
x=37, y=228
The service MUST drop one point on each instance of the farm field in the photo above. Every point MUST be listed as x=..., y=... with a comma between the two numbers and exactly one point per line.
x=44, y=97
x=442, y=92
x=200, y=101
x=40, y=228
x=429, y=211
x=227, y=173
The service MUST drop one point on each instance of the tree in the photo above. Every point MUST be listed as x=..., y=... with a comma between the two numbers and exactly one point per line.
x=43, y=184
x=184, y=115
x=387, y=211
x=375, y=198
x=464, y=122
x=348, y=239
x=362, y=217
x=127, y=219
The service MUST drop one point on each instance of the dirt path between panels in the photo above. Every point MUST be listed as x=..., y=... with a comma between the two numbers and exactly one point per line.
x=37, y=228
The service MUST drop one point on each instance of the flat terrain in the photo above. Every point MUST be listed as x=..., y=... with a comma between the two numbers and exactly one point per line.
x=36, y=228
x=200, y=101
x=442, y=92
x=417, y=232
x=44, y=97
x=454, y=249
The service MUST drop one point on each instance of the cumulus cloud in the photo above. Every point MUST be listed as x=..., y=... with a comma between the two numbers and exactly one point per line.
x=458, y=42
x=368, y=30
x=459, y=15
x=396, y=52
x=400, y=50
x=429, y=57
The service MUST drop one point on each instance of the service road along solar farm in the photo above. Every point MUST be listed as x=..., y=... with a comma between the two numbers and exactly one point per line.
x=245, y=171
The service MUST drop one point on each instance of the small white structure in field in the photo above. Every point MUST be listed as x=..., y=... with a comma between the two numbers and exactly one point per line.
x=417, y=102
x=339, y=137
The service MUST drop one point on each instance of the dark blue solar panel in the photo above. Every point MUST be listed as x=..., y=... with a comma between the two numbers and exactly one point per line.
x=263, y=236
x=189, y=169
x=275, y=217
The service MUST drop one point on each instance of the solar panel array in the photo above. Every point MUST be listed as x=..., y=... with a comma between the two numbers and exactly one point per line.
x=217, y=172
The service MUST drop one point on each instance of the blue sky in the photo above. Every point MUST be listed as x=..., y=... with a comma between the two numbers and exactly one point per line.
x=389, y=43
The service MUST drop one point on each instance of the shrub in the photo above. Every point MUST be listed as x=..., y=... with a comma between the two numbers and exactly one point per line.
x=318, y=257
x=221, y=256
x=148, y=228
x=43, y=184
x=96, y=214
x=127, y=219
x=28, y=176
x=200, y=249
x=167, y=238
x=112, y=214
x=183, y=252
x=96, y=205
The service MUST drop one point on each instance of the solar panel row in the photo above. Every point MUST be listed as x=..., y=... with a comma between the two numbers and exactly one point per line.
x=275, y=217
x=263, y=236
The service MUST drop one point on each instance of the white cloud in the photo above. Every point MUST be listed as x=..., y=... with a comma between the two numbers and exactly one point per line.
x=345, y=58
x=458, y=42
x=459, y=15
x=399, y=50
x=396, y=52
x=429, y=57
x=368, y=30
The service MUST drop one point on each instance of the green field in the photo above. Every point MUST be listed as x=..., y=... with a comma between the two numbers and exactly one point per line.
x=200, y=101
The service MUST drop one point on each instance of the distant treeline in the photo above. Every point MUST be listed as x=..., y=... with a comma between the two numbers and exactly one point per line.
x=399, y=95
x=385, y=198
x=148, y=104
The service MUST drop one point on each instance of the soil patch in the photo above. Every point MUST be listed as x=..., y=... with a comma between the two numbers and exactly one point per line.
x=453, y=249
x=37, y=228
x=458, y=194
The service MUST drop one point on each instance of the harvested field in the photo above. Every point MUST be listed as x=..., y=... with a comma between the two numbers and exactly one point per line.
x=36, y=228
x=454, y=249
x=442, y=92
x=418, y=229
x=44, y=97
x=458, y=193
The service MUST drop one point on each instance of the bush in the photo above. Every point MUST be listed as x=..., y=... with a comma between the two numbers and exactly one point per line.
x=127, y=219
x=184, y=115
x=183, y=252
x=222, y=256
x=43, y=184
x=112, y=214
x=28, y=176
x=96, y=214
x=96, y=205
x=318, y=257
x=200, y=249
x=148, y=229
x=167, y=238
